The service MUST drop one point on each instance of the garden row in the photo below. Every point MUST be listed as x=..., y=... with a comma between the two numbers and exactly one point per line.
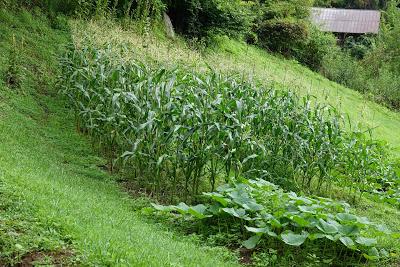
x=271, y=218
x=179, y=133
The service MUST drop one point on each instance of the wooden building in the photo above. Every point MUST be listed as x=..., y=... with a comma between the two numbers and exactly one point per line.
x=345, y=22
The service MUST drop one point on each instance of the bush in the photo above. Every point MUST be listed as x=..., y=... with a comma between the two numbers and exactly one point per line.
x=376, y=80
x=67, y=7
x=358, y=47
x=368, y=64
x=140, y=9
x=341, y=67
x=197, y=18
x=277, y=9
x=385, y=88
x=283, y=27
x=312, y=51
x=282, y=35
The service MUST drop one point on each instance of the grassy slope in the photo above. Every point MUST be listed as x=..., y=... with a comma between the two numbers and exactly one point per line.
x=56, y=196
x=232, y=56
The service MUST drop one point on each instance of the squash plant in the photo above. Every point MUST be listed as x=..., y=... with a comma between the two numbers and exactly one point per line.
x=267, y=212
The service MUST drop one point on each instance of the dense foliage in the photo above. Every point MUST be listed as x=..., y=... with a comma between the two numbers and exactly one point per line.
x=370, y=64
x=367, y=63
x=138, y=9
x=198, y=18
x=263, y=212
x=359, y=4
x=180, y=133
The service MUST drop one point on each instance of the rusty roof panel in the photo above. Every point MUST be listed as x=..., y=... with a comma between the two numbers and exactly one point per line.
x=346, y=20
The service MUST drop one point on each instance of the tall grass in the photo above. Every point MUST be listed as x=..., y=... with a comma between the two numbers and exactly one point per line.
x=133, y=9
x=179, y=133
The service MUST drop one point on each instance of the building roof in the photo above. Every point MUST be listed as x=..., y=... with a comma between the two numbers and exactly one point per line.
x=346, y=20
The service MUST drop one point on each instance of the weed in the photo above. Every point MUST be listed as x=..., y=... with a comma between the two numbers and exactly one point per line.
x=13, y=72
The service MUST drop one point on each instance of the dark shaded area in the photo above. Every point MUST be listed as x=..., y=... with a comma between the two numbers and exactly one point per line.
x=199, y=18
x=179, y=11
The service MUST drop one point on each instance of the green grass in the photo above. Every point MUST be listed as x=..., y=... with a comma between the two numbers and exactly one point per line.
x=57, y=196
x=254, y=63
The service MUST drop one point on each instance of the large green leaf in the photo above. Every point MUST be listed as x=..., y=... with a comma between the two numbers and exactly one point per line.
x=373, y=254
x=346, y=217
x=162, y=208
x=366, y=241
x=219, y=198
x=347, y=241
x=315, y=236
x=257, y=230
x=327, y=228
x=307, y=209
x=263, y=230
x=363, y=220
x=300, y=221
x=293, y=239
x=252, y=206
x=198, y=211
x=252, y=242
x=182, y=208
x=333, y=238
x=348, y=230
x=239, y=213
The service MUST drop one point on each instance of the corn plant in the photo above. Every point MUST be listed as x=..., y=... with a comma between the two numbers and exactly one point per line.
x=178, y=133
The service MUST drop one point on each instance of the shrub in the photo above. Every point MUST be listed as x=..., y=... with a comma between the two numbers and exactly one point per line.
x=370, y=65
x=282, y=35
x=198, y=18
x=140, y=9
x=358, y=47
x=312, y=51
x=276, y=9
x=385, y=88
x=341, y=67
x=284, y=27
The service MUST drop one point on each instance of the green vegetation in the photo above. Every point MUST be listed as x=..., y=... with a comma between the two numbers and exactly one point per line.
x=370, y=64
x=261, y=210
x=198, y=130
x=358, y=4
x=174, y=130
x=280, y=26
x=266, y=153
x=232, y=57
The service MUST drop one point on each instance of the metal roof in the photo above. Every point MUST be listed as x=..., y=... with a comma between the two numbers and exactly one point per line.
x=346, y=20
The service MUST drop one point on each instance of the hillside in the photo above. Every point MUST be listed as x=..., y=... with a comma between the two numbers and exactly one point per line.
x=59, y=204
x=55, y=202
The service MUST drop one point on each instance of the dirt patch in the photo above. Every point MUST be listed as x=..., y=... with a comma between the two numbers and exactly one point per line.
x=245, y=256
x=136, y=191
x=59, y=258
x=132, y=188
